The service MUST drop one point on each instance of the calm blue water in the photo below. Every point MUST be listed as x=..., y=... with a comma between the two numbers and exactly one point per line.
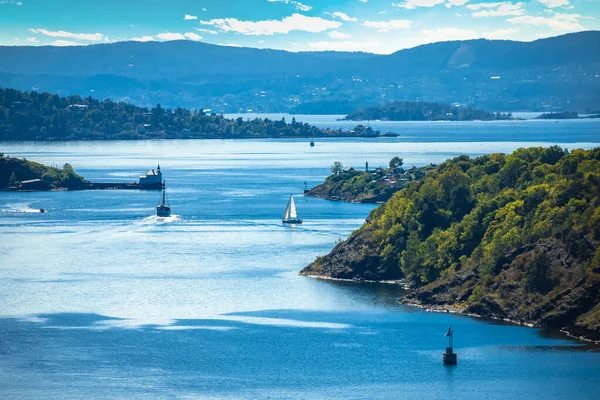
x=99, y=299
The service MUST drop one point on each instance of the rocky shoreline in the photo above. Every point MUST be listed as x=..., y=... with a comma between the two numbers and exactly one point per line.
x=405, y=284
x=462, y=310
x=447, y=308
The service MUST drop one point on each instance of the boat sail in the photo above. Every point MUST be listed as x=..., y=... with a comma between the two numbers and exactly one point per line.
x=163, y=209
x=290, y=216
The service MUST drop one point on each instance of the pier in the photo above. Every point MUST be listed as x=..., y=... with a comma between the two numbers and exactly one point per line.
x=119, y=186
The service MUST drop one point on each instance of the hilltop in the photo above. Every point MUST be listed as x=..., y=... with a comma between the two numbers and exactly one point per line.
x=553, y=74
x=507, y=236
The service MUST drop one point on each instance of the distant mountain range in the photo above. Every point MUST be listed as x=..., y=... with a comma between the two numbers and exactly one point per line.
x=559, y=73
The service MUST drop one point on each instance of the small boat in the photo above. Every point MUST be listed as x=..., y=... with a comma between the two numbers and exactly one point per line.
x=42, y=210
x=312, y=144
x=163, y=209
x=290, y=216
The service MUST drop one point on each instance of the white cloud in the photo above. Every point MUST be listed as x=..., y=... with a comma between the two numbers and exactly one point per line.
x=386, y=26
x=188, y=17
x=479, y=6
x=192, y=36
x=299, y=6
x=143, y=39
x=338, y=35
x=382, y=12
x=500, y=33
x=446, y=34
x=170, y=36
x=32, y=40
x=16, y=3
x=363, y=1
x=412, y=4
x=390, y=43
x=295, y=22
x=207, y=31
x=554, y=3
x=347, y=45
x=70, y=35
x=558, y=22
x=455, y=3
x=500, y=9
x=342, y=16
x=64, y=43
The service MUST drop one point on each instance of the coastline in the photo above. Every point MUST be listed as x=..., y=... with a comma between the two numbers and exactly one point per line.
x=405, y=284
x=457, y=310
x=447, y=308
x=352, y=200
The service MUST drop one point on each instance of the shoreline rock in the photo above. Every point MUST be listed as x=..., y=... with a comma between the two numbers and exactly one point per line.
x=441, y=308
x=447, y=308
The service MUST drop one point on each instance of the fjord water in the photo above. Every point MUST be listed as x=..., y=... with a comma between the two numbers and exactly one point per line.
x=100, y=299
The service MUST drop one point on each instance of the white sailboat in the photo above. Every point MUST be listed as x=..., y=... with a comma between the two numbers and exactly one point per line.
x=290, y=216
x=163, y=209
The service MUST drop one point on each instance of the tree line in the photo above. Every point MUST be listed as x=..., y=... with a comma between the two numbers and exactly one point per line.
x=15, y=170
x=44, y=116
x=423, y=111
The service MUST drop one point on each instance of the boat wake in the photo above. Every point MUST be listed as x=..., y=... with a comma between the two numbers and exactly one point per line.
x=162, y=220
x=20, y=208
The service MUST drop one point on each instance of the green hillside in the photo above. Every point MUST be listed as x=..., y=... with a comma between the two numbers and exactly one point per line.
x=510, y=236
x=15, y=170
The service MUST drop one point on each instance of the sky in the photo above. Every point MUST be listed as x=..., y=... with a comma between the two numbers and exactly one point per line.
x=375, y=26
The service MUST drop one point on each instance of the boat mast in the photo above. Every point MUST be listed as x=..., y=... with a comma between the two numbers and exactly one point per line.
x=163, y=200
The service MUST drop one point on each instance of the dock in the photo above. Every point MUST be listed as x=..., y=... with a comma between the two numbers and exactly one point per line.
x=120, y=186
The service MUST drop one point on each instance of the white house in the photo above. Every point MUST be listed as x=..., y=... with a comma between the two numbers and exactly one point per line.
x=152, y=177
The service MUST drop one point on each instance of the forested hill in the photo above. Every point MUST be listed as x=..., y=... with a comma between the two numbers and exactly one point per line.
x=423, y=111
x=552, y=74
x=511, y=236
x=42, y=116
x=15, y=170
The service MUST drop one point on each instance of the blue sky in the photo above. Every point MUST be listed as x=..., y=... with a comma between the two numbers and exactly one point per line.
x=376, y=26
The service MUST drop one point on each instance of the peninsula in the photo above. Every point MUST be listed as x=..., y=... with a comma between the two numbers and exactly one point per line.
x=565, y=115
x=423, y=111
x=370, y=186
x=46, y=117
x=505, y=236
x=22, y=174
x=19, y=174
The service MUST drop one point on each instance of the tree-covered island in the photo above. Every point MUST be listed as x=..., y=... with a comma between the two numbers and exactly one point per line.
x=423, y=111
x=43, y=116
x=565, y=115
x=369, y=186
x=22, y=174
x=506, y=236
x=559, y=115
